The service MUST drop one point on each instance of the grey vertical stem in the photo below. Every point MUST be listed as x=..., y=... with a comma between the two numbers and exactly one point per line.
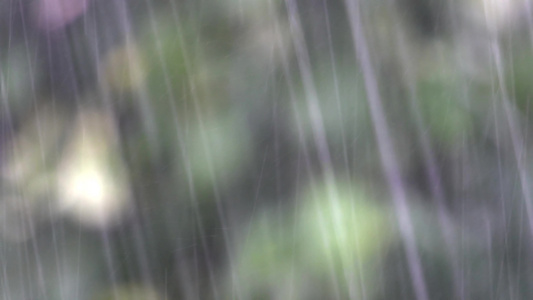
x=387, y=155
x=517, y=139
x=432, y=170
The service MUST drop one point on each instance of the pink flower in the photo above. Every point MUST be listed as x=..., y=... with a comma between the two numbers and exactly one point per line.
x=55, y=14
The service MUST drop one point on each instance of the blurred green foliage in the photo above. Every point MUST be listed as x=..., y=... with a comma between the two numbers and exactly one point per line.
x=199, y=175
x=335, y=231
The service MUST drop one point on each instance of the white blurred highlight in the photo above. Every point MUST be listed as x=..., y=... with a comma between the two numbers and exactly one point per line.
x=91, y=180
x=495, y=15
